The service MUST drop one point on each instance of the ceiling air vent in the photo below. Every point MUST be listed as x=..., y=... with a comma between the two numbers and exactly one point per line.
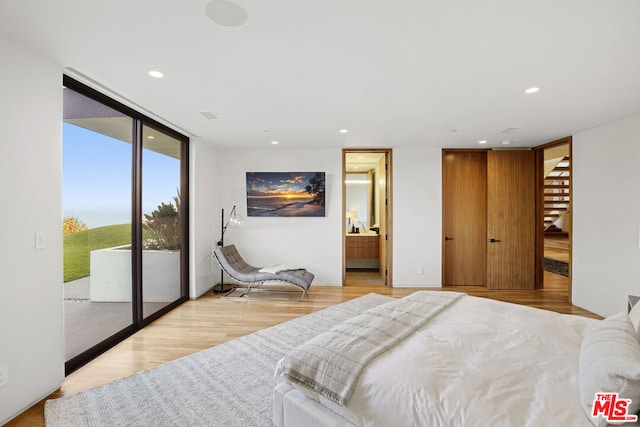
x=208, y=115
x=508, y=130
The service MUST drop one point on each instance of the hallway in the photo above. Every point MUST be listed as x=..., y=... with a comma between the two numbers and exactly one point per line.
x=363, y=277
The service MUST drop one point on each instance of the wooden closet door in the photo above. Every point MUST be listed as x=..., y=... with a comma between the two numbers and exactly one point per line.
x=464, y=217
x=511, y=220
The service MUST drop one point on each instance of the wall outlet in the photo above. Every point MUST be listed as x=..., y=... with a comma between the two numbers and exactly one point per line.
x=421, y=270
x=4, y=376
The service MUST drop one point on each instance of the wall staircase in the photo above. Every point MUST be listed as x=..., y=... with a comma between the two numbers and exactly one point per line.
x=557, y=194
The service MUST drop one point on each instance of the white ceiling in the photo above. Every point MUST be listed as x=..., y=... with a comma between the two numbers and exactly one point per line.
x=362, y=161
x=394, y=73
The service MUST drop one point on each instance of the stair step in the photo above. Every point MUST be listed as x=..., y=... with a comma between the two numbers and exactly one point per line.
x=556, y=194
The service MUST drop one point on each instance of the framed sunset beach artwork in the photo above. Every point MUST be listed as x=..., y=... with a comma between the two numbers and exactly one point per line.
x=286, y=194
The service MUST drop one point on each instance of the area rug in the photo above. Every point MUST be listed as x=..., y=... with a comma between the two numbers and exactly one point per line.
x=556, y=267
x=230, y=384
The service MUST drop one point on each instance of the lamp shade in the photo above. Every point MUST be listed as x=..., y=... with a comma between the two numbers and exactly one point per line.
x=235, y=220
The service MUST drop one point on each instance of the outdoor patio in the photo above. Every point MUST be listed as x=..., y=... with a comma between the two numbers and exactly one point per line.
x=86, y=323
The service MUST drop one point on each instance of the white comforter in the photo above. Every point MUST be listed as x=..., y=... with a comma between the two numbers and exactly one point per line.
x=478, y=363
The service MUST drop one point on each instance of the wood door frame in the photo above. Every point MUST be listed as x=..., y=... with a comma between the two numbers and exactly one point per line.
x=539, y=266
x=388, y=206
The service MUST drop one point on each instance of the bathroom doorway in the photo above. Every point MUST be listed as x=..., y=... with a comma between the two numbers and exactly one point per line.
x=367, y=208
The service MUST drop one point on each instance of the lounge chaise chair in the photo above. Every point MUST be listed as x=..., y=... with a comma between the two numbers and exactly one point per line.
x=238, y=269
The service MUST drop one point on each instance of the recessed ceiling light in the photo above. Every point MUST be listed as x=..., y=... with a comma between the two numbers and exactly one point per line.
x=157, y=74
x=360, y=157
x=151, y=137
x=532, y=90
x=506, y=142
x=274, y=143
x=343, y=130
x=482, y=141
x=355, y=167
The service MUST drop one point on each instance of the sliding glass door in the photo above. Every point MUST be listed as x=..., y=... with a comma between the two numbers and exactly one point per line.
x=161, y=204
x=125, y=225
x=97, y=156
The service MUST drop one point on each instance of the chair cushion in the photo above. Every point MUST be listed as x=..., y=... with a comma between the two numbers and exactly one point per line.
x=236, y=267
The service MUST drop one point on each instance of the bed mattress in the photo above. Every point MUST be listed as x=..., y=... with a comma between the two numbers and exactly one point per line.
x=479, y=362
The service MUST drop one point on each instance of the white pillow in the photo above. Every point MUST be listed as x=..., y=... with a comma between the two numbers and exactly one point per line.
x=634, y=317
x=610, y=363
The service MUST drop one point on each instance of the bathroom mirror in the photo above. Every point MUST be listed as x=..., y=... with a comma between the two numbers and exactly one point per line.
x=362, y=206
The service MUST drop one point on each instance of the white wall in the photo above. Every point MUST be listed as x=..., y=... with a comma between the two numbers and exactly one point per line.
x=31, y=323
x=204, y=216
x=417, y=217
x=606, y=216
x=316, y=243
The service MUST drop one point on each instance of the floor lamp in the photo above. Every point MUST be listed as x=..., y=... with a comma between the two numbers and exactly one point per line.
x=235, y=221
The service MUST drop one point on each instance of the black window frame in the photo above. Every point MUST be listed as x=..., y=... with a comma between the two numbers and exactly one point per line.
x=139, y=120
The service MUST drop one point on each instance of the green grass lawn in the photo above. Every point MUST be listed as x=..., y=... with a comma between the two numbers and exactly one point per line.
x=78, y=246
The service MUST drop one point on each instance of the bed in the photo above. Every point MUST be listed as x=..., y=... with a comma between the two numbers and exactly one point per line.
x=471, y=362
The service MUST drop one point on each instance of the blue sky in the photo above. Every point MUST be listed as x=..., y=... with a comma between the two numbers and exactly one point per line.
x=96, y=178
x=277, y=183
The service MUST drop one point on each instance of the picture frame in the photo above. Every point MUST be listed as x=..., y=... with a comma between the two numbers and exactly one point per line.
x=286, y=194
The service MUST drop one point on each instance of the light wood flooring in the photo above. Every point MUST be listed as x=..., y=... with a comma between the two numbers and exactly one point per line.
x=372, y=278
x=557, y=248
x=209, y=320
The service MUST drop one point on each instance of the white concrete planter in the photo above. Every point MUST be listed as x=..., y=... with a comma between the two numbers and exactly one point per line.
x=110, y=279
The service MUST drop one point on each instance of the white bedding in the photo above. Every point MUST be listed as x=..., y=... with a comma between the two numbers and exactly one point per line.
x=478, y=363
x=331, y=363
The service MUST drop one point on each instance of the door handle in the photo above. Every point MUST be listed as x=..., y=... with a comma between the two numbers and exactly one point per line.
x=447, y=238
x=492, y=240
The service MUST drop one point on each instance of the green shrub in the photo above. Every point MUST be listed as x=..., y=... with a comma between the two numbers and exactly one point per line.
x=164, y=226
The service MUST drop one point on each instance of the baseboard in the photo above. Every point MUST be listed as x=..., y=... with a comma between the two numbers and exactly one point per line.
x=29, y=406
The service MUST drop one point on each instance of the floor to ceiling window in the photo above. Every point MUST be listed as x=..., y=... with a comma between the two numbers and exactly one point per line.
x=124, y=221
x=161, y=204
